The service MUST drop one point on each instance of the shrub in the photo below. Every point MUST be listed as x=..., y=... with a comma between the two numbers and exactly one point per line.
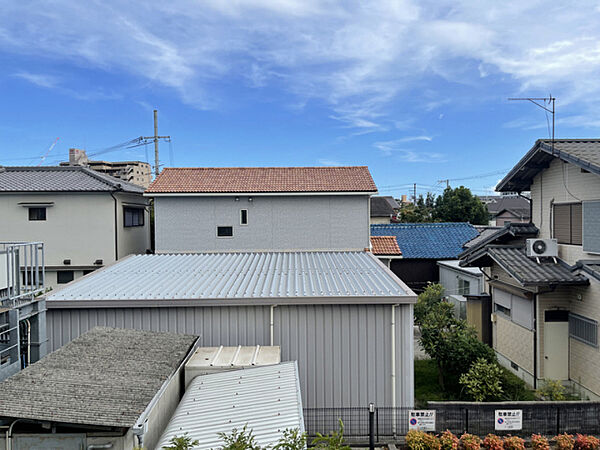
x=448, y=441
x=332, y=441
x=291, y=440
x=564, y=441
x=239, y=440
x=539, y=442
x=419, y=440
x=514, y=388
x=433, y=294
x=583, y=442
x=182, y=443
x=492, y=442
x=470, y=442
x=482, y=381
x=552, y=390
x=514, y=443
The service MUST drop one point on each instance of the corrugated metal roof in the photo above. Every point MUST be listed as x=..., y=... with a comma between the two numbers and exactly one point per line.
x=60, y=179
x=266, y=398
x=428, y=240
x=251, y=275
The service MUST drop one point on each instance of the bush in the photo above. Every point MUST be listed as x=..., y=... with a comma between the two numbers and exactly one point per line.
x=514, y=388
x=514, y=443
x=239, y=440
x=182, y=443
x=583, y=442
x=419, y=440
x=449, y=441
x=492, y=442
x=291, y=440
x=482, y=381
x=470, y=442
x=332, y=441
x=552, y=390
x=539, y=442
x=564, y=441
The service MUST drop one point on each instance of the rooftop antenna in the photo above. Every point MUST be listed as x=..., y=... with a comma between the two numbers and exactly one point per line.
x=42, y=159
x=546, y=100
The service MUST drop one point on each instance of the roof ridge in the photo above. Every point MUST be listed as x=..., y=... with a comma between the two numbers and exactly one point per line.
x=262, y=167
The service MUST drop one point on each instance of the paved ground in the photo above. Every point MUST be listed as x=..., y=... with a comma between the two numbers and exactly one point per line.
x=419, y=353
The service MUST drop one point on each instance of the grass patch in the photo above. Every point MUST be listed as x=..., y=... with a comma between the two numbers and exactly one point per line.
x=427, y=387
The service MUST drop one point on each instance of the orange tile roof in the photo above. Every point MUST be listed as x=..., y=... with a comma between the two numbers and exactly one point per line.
x=385, y=245
x=263, y=179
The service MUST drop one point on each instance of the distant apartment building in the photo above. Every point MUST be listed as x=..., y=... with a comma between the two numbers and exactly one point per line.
x=262, y=208
x=85, y=219
x=135, y=172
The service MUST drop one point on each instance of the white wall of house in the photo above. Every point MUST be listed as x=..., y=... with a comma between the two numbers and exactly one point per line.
x=454, y=279
x=562, y=183
x=78, y=226
x=283, y=222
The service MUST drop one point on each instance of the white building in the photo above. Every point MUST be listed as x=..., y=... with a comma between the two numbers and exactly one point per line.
x=84, y=218
x=263, y=208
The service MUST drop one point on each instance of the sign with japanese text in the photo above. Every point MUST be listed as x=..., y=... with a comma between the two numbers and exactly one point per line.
x=423, y=419
x=509, y=419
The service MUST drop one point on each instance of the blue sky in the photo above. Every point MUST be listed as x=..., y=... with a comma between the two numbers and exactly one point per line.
x=416, y=90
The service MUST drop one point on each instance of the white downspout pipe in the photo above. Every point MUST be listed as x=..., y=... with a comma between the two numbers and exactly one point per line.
x=393, y=360
x=272, y=324
x=28, y=342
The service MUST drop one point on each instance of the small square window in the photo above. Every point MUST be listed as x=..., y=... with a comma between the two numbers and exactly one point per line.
x=224, y=231
x=65, y=276
x=37, y=213
x=133, y=217
x=243, y=217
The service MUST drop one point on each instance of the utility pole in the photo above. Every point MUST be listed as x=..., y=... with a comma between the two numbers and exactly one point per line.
x=447, y=182
x=415, y=193
x=155, y=138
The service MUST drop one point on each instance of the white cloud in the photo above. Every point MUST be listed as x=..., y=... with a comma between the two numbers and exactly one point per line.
x=397, y=149
x=39, y=79
x=357, y=59
x=329, y=162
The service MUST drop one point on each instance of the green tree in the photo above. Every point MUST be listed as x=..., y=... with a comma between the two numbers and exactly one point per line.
x=451, y=343
x=460, y=205
x=482, y=381
x=432, y=295
x=420, y=211
x=239, y=440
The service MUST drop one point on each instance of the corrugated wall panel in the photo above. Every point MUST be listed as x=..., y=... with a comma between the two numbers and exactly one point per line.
x=343, y=351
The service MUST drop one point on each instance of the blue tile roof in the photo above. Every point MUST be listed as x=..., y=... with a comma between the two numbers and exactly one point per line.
x=428, y=240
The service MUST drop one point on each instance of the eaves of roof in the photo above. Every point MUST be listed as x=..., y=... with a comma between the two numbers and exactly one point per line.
x=536, y=159
x=510, y=230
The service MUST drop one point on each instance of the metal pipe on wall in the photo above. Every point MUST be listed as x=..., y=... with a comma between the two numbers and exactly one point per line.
x=393, y=346
x=272, y=324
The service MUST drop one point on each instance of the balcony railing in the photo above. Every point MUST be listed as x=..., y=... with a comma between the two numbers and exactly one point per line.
x=21, y=272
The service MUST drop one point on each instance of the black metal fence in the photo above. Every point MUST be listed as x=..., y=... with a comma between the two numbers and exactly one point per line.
x=547, y=418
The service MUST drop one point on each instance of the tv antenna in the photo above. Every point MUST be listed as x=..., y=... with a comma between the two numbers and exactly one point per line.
x=547, y=101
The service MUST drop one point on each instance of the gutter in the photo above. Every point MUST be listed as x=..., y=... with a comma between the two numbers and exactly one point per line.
x=116, y=225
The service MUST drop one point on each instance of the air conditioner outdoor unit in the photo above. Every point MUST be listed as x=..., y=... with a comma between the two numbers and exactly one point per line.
x=538, y=248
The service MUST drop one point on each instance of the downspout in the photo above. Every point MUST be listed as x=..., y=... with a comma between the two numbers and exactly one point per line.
x=535, y=341
x=28, y=341
x=9, y=435
x=530, y=207
x=393, y=361
x=116, y=228
x=272, y=324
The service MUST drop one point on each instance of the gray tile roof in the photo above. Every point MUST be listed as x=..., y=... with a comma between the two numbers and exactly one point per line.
x=60, y=179
x=383, y=206
x=484, y=233
x=105, y=377
x=500, y=203
x=499, y=235
x=584, y=153
x=591, y=267
x=529, y=272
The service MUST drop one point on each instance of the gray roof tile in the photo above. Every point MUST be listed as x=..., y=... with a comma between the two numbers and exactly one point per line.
x=60, y=179
x=105, y=377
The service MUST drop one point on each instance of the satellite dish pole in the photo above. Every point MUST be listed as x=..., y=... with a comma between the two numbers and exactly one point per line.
x=547, y=100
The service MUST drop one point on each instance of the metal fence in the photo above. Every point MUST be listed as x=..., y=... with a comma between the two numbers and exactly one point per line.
x=547, y=418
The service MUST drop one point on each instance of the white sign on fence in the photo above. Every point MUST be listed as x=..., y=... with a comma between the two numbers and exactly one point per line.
x=422, y=419
x=509, y=419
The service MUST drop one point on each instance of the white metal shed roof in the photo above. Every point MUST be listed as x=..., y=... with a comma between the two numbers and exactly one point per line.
x=266, y=398
x=246, y=277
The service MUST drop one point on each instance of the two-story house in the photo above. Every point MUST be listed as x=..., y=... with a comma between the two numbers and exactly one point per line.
x=262, y=208
x=547, y=307
x=84, y=218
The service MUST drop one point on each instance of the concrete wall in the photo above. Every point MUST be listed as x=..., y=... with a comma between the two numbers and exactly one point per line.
x=79, y=227
x=562, y=183
x=343, y=351
x=318, y=222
